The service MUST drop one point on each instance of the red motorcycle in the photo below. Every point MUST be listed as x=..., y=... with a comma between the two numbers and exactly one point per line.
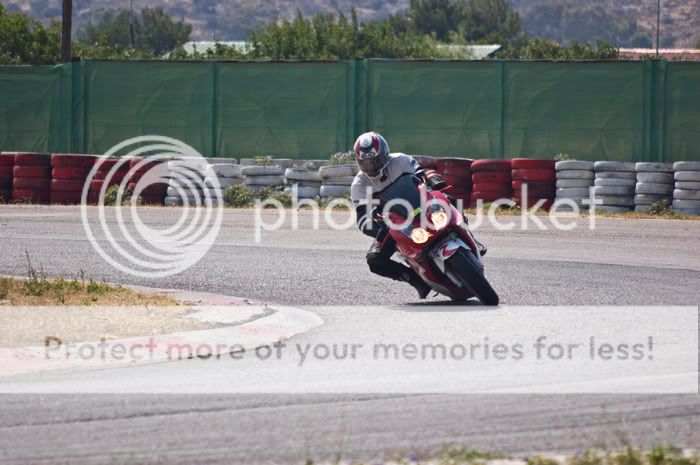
x=433, y=238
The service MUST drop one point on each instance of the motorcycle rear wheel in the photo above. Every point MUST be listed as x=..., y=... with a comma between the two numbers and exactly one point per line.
x=465, y=265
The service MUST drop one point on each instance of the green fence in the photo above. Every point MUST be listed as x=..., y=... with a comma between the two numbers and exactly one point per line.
x=639, y=110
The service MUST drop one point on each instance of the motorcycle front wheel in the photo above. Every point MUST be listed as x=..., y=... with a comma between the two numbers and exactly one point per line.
x=465, y=265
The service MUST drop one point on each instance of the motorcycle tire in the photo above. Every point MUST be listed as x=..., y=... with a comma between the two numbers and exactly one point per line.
x=465, y=265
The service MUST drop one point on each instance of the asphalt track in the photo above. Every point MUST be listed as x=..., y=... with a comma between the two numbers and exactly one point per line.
x=621, y=262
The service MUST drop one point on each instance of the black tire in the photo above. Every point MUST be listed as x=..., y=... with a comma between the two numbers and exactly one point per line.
x=465, y=265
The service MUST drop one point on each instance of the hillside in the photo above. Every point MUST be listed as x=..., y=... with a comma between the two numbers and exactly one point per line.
x=556, y=19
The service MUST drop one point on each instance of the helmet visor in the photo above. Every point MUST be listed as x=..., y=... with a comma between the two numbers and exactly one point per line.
x=372, y=166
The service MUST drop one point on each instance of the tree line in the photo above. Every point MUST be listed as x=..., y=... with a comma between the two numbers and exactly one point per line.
x=421, y=32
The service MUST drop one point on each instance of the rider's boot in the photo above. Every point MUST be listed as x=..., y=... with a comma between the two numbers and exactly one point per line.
x=412, y=278
x=482, y=247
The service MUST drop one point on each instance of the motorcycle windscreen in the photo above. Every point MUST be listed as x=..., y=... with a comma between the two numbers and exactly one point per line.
x=406, y=189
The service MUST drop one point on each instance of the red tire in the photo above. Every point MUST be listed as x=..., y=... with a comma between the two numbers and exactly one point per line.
x=501, y=177
x=31, y=171
x=491, y=165
x=6, y=172
x=5, y=183
x=66, y=197
x=116, y=178
x=452, y=162
x=456, y=172
x=31, y=183
x=428, y=163
x=534, y=175
x=532, y=164
x=458, y=181
x=32, y=159
x=67, y=185
x=70, y=172
x=152, y=199
x=60, y=160
x=459, y=190
x=534, y=186
x=7, y=159
x=491, y=186
x=30, y=195
x=153, y=189
x=5, y=195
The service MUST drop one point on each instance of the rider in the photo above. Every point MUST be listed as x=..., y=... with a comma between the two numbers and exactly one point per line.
x=378, y=169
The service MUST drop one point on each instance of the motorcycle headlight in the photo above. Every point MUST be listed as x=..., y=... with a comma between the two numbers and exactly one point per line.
x=420, y=235
x=440, y=219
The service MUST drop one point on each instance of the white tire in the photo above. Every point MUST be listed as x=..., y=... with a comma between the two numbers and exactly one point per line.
x=649, y=167
x=222, y=182
x=614, y=208
x=337, y=171
x=262, y=171
x=692, y=176
x=648, y=199
x=339, y=181
x=196, y=183
x=334, y=191
x=264, y=181
x=686, y=166
x=616, y=200
x=613, y=190
x=248, y=162
x=653, y=188
x=302, y=175
x=693, y=204
x=220, y=161
x=222, y=170
x=198, y=165
x=572, y=192
x=573, y=165
x=173, y=192
x=305, y=192
x=688, y=211
x=615, y=175
x=661, y=178
x=615, y=182
x=614, y=166
x=303, y=183
x=566, y=183
x=687, y=185
x=686, y=194
x=575, y=174
x=172, y=201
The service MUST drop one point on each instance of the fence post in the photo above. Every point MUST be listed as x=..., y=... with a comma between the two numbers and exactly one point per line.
x=502, y=109
x=214, y=109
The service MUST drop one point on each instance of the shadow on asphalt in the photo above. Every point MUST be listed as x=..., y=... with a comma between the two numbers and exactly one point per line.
x=451, y=306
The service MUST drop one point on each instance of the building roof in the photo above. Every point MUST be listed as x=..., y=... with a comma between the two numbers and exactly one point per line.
x=686, y=54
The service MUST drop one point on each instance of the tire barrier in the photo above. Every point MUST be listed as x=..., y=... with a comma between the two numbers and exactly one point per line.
x=686, y=192
x=187, y=179
x=307, y=183
x=31, y=178
x=68, y=175
x=7, y=163
x=154, y=193
x=654, y=184
x=429, y=163
x=458, y=174
x=261, y=177
x=574, y=181
x=540, y=178
x=615, y=197
x=493, y=186
x=336, y=180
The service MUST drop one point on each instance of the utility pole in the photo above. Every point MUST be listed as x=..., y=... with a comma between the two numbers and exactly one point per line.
x=658, y=26
x=66, y=30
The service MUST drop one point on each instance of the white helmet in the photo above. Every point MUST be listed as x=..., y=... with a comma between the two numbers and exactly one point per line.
x=372, y=153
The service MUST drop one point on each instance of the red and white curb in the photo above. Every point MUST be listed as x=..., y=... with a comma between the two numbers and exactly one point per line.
x=245, y=325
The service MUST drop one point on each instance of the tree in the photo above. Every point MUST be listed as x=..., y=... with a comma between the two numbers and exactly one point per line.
x=153, y=31
x=437, y=17
x=24, y=40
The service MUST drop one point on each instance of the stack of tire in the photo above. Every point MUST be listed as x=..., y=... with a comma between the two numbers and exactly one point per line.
x=574, y=181
x=491, y=180
x=225, y=174
x=686, y=195
x=306, y=183
x=186, y=181
x=654, y=184
x=104, y=166
x=68, y=175
x=426, y=162
x=336, y=180
x=155, y=193
x=31, y=178
x=615, y=183
x=457, y=174
x=7, y=162
x=258, y=178
x=540, y=177
x=283, y=163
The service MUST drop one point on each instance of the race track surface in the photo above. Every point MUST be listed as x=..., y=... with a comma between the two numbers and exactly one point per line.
x=621, y=262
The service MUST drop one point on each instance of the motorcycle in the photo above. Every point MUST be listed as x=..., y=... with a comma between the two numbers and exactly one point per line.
x=433, y=238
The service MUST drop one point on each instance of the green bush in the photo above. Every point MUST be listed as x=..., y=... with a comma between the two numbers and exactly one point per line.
x=237, y=196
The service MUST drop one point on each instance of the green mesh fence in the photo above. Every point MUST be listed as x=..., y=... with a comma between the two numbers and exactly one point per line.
x=596, y=111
